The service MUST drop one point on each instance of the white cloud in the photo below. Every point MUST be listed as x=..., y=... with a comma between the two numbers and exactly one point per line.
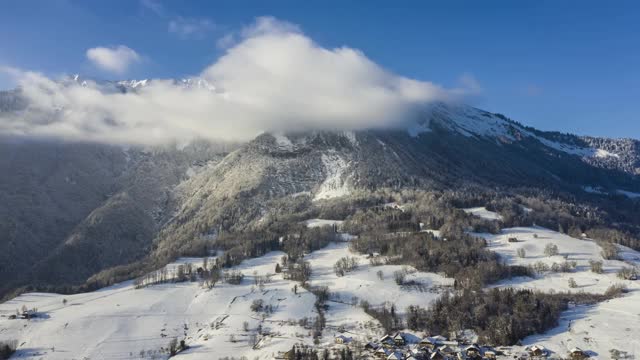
x=154, y=5
x=274, y=79
x=190, y=27
x=116, y=59
x=226, y=41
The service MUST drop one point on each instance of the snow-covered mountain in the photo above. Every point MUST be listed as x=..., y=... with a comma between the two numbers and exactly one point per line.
x=181, y=193
x=76, y=211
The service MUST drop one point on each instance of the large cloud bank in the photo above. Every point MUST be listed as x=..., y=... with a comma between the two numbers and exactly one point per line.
x=274, y=78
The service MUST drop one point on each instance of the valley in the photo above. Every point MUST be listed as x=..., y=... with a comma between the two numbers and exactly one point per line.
x=127, y=321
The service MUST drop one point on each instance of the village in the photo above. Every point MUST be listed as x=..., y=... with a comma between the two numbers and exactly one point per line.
x=408, y=346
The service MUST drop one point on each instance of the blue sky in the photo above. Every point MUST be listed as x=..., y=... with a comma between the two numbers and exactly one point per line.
x=571, y=66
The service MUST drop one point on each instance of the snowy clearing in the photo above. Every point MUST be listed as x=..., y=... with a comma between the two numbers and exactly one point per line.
x=312, y=223
x=613, y=324
x=483, y=213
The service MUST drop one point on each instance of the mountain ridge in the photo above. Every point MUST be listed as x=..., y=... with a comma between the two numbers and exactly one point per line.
x=158, y=201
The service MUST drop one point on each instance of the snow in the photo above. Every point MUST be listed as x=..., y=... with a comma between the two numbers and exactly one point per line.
x=585, y=152
x=364, y=284
x=600, y=153
x=283, y=142
x=594, y=190
x=311, y=223
x=469, y=121
x=629, y=194
x=119, y=321
x=600, y=191
x=613, y=324
x=483, y=213
x=351, y=136
x=335, y=184
x=435, y=233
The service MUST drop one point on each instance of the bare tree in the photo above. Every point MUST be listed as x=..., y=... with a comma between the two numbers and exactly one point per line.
x=551, y=249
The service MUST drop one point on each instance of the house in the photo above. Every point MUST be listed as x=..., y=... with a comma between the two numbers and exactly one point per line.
x=577, y=354
x=387, y=341
x=371, y=346
x=396, y=355
x=436, y=355
x=382, y=353
x=438, y=339
x=28, y=314
x=398, y=339
x=341, y=339
x=432, y=342
x=489, y=354
x=446, y=350
x=472, y=350
x=537, y=350
x=427, y=343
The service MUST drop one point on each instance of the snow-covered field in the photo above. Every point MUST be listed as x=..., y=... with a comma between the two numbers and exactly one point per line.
x=364, y=284
x=311, y=223
x=614, y=324
x=483, y=213
x=120, y=322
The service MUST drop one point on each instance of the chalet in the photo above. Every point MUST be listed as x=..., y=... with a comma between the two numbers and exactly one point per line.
x=537, y=350
x=577, y=354
x=396, y=355
x=382, y=353
x=341, y=339
x=417, y=353
x=387, y=341
x=398, y=339
x=436, y=355
x=28, y=314
x=472, y=351
x=428, y=343
x=438, y=339
x=446, y=350
x=432, y=342
x=371, y=346
x=489, y=354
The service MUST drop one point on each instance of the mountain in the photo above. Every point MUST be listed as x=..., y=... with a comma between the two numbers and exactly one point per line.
x=81, y=207
x=72, y=210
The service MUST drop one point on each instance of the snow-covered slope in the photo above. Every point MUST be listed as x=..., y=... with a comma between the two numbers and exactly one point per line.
x=613, y=324
x=122, y=322
x=483, y=213
x=622, y=154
